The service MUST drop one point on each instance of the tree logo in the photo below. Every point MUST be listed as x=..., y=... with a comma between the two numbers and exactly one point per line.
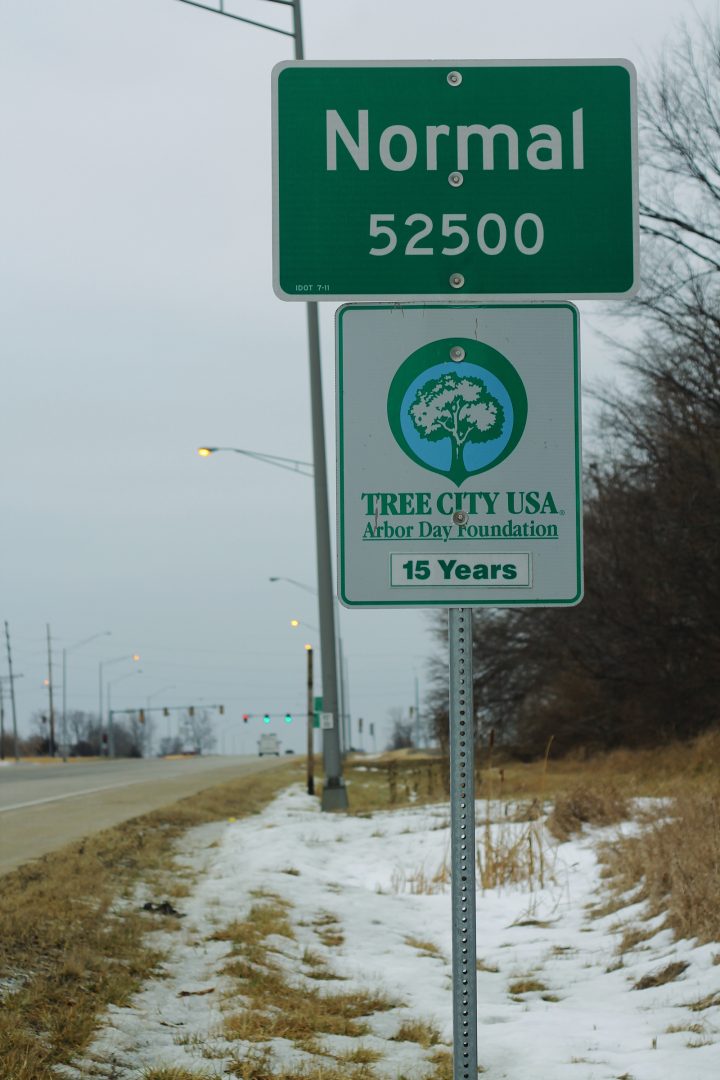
x=457, y=407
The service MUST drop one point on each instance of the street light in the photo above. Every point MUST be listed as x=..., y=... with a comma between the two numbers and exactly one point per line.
x=103, y=664
x=300, y=584
x=340, y=659
x=69, y=649
x=334, y=796
x=302, y=468
x=111, y=683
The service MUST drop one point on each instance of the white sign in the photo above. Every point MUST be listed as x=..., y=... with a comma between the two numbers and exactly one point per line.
x=459, y=455
x=327, y=721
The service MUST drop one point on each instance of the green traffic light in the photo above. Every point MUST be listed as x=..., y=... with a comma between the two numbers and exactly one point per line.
x=288, y=718
x=266, y=719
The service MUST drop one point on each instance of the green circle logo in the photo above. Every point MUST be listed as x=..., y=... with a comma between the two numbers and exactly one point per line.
x=457, y=407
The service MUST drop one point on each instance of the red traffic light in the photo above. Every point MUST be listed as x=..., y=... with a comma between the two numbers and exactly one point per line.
x=246, y=717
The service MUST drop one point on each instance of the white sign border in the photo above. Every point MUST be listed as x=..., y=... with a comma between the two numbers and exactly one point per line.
x=464, y=601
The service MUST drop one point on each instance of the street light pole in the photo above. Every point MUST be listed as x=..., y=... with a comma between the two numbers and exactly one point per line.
x=111, y=732
x=343, y=699
x=51, y=741
x=334, y=795
x=71, y=648
x=12, y=692
x=103, y=664
x=310, y=722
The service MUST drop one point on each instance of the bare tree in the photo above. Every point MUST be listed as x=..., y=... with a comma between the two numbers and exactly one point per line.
x=636, y=661
x=401, y=736
x=197, y=732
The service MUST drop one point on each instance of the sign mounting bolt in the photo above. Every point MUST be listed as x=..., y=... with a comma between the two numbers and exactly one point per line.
x=456, y=179
x=454, y=78
x=457, y=281
x=457, y=353
x=460, y=517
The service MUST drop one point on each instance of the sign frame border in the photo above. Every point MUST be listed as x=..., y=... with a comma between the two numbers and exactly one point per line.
x=462, y=299
x=464, y=602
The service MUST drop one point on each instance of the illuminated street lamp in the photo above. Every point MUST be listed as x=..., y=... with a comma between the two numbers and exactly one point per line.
x=69, y=649
x=302, y=468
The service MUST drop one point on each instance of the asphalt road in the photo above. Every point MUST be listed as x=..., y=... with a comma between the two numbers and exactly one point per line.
x=43, y=807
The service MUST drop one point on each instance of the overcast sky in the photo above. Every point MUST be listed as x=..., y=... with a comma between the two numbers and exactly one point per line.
x=139, y=322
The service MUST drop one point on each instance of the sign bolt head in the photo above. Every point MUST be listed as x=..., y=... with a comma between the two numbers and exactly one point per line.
x=457, y=281
x=456, y=179
x=460, y=517
x=454, y=78
x=457, y=353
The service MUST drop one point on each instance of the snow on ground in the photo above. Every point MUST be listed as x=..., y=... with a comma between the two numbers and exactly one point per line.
x=584, y=1022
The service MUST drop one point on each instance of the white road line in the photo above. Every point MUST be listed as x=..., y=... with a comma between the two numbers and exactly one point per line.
x=70, y=795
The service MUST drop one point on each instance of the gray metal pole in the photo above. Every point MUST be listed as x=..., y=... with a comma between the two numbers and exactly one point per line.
x=462, y=845
x=2, y=720
x=110, y=733
x=310, y=720
x=417, y=713
x=12, y=693
x=64, y=705
x=334, y=794
x=51, y=746
x=100, y=705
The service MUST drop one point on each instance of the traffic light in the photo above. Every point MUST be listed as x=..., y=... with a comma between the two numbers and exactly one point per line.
x=266, y=718
x=142, y=716
x=166, y=712
x=246, y=717
x=221, y=710
x=360, y=723
x=191, y=710
x=288, y=718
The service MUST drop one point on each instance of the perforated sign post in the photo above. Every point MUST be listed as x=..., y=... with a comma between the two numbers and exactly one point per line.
x=459, y=486
x=473, y=179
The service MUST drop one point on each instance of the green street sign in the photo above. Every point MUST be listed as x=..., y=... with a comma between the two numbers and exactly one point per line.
x=464, y=180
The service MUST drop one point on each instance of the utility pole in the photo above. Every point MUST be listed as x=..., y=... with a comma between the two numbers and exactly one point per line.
x=50, y=693
x=310, y=721
x=12, y=692
x=2, y=720
x=417, y=713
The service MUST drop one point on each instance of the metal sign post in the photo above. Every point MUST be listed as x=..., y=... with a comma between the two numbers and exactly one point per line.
x=462, y=845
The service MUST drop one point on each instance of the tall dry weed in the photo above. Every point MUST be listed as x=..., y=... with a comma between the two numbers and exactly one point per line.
x=675, y=863
x=600, y=804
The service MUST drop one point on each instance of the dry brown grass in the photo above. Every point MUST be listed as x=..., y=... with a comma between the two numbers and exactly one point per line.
x=594, y=804
x=669, y=973
x=660, y=771
x=527, y=985
x=425, y=947
x=70, y=941
x=675, y=864
x=276, y=1006
x=422, y=1032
